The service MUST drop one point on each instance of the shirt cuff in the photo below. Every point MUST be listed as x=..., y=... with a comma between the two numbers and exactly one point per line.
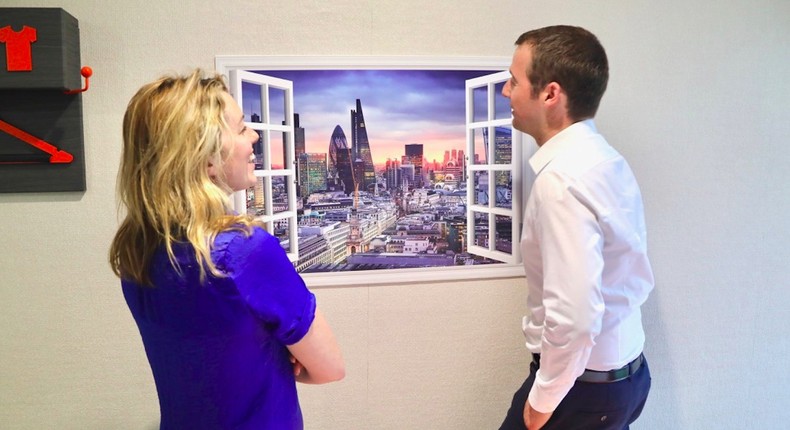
x=544, y=400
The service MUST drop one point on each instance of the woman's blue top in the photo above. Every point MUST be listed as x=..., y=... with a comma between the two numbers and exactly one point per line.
x=218, y=349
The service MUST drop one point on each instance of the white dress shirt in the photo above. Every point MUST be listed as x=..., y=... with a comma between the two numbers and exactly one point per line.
x=585, y=257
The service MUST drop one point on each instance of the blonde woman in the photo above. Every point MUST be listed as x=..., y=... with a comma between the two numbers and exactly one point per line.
x=227, y=324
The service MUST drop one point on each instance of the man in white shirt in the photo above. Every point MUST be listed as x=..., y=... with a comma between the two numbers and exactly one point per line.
x=583, y=244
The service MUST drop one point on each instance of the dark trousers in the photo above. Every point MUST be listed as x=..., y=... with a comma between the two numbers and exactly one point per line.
x=588, y=406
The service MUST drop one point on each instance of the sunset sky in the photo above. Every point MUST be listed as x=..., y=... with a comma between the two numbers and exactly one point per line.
x=400, y=107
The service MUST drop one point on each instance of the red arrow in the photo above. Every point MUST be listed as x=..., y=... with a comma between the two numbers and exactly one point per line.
x=57, y=156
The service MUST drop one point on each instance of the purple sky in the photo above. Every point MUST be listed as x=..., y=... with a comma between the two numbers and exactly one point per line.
x=400, y=107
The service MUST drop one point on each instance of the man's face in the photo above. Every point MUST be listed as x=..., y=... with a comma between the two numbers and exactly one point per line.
x=525, y=107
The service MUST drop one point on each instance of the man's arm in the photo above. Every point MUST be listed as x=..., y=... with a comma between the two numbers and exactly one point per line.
x=571, y=244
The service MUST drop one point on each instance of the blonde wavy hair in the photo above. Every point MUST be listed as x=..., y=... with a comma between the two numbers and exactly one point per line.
x=171, y=134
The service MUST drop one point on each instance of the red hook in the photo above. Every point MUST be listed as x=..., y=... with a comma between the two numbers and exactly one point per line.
x=86, y=72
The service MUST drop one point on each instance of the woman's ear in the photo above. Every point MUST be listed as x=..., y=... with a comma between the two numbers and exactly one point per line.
x=212, y=170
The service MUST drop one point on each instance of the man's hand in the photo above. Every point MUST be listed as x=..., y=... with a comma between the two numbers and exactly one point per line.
x=533, y=419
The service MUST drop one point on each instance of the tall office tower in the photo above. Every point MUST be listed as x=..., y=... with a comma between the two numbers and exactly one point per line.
x=299, y=148
x=340, y=168
x=392, y=174
x=461, y=161
x=257, y=147
x=299, y=142
x=414, y=155
x=503, y=144
x=313, y=169
x=361, y=147
x=503, y=151
x=446, y=157
x=407, y=176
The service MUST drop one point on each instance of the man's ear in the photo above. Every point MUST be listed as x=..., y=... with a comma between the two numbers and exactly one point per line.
x=551, y=93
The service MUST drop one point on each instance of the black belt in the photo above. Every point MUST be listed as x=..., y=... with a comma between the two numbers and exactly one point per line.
x=603, y=376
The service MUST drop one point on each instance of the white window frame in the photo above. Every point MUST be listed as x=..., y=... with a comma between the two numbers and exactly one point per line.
x=490, y=123
x=266, y=127
x=225, y=64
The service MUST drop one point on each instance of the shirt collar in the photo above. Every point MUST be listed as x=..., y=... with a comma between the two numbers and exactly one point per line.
x=560, y=143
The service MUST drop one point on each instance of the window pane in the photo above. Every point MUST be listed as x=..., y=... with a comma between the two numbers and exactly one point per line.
x=480, y=104
x=257, y=148
x=278, y=150
x=282, y=230
x=503, y=145
x=256, y=199
x=480, y=148
x=504, y=189
x=501, y=103
x=504, y=234
x=251, y=101
x=276, y=106
x=480, y=192
x=481, y=228
x=280, y=194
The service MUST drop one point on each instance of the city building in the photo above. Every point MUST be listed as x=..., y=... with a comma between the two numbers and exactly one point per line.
x=413, y=153
x=340, y=163
x=361, y=147
x=312, y=169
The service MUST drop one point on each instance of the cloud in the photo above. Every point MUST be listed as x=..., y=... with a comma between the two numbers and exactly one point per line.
x=399, y=106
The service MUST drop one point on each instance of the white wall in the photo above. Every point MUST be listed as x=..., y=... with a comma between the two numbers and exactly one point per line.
x=698, y=102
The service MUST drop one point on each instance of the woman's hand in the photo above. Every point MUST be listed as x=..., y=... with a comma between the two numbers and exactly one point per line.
x=297, y=366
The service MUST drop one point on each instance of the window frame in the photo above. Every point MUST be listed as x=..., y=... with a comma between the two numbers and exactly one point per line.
x=490, y=168
x=236, y=77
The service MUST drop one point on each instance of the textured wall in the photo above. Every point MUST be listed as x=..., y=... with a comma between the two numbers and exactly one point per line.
x=697, y=102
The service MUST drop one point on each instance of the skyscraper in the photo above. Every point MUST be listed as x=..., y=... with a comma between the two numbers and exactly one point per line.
x=257, y=147
x=299, y=142
x=392, y=174
x=361, y=149
x=503, y=144
x=415, y=157
x=312, y=170
x=340, y=161
x=299, y=148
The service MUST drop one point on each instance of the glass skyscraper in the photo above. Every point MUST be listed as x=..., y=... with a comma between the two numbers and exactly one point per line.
x=413, y=153
x=341, y=172
x=361, y=147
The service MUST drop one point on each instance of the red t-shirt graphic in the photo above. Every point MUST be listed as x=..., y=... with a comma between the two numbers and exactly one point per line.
x=17, y=51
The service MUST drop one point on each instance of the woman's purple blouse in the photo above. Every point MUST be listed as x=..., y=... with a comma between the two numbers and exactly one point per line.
x=217, y=350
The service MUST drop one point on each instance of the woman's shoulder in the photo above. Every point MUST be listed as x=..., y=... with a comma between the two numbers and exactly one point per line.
x=243, y=240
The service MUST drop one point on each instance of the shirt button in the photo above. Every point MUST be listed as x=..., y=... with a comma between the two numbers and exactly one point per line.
x=603, y=418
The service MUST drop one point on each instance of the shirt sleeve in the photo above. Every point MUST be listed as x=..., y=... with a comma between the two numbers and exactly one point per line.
x=269, y=284
x=571, y=244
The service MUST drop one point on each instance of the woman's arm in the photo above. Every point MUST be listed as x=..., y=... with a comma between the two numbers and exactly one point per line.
x=318, y=354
